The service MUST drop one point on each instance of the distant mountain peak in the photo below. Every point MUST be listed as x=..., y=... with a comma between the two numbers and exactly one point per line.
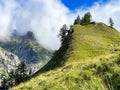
x=28, y=35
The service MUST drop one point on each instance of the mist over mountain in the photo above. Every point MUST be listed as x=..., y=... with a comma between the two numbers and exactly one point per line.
x=41, y=17
x=21, y=49
x=45, y=18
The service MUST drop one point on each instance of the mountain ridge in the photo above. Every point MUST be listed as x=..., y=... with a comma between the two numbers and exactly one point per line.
x=28, y=50
x=90, y=62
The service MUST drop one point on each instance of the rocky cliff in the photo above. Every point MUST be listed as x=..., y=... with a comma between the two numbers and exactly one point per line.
x=8, y=62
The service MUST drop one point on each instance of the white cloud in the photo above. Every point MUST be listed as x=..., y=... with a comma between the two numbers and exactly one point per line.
x=6, y=11
x=101, y=12
x=45, y=18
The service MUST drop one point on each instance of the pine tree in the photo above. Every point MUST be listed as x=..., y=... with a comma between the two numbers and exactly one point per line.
x=111, y=22
x=62, y=33
x=20, y=74
x=77, y=20
x=87, y=18
x=82, y=21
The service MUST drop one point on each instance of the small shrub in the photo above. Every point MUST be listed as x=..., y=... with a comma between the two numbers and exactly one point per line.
x=86, y=75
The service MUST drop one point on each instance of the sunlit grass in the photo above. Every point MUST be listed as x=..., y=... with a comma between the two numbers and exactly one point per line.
x=86, y=65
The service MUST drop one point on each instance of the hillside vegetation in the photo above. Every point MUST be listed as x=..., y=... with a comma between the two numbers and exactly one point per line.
x=89, y=61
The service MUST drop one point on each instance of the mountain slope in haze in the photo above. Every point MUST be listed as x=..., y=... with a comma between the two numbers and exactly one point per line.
x=28, y=50
x=89, y=61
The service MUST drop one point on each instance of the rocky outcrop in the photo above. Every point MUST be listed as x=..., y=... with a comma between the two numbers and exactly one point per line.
x=8, y=62
x=28, y=50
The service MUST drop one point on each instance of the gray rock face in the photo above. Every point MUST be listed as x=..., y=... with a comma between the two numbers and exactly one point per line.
x=29, y=51
x=8, y=62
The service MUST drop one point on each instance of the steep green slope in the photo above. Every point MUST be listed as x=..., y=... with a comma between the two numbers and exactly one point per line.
x=89, y=61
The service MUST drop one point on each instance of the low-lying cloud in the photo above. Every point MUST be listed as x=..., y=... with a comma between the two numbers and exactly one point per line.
x=45, y=18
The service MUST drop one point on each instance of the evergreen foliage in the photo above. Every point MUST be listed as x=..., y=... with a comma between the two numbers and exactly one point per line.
x=20, y=74
x=77, y=20
x=87, y=18
x=111, y=22
x=62, y=33
x=82, y=21
x=15, y=76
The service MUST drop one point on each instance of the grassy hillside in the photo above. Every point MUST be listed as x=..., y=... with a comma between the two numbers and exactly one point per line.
x=90, y=61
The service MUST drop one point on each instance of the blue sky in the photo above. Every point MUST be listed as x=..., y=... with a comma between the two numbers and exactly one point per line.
x=75, y=4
